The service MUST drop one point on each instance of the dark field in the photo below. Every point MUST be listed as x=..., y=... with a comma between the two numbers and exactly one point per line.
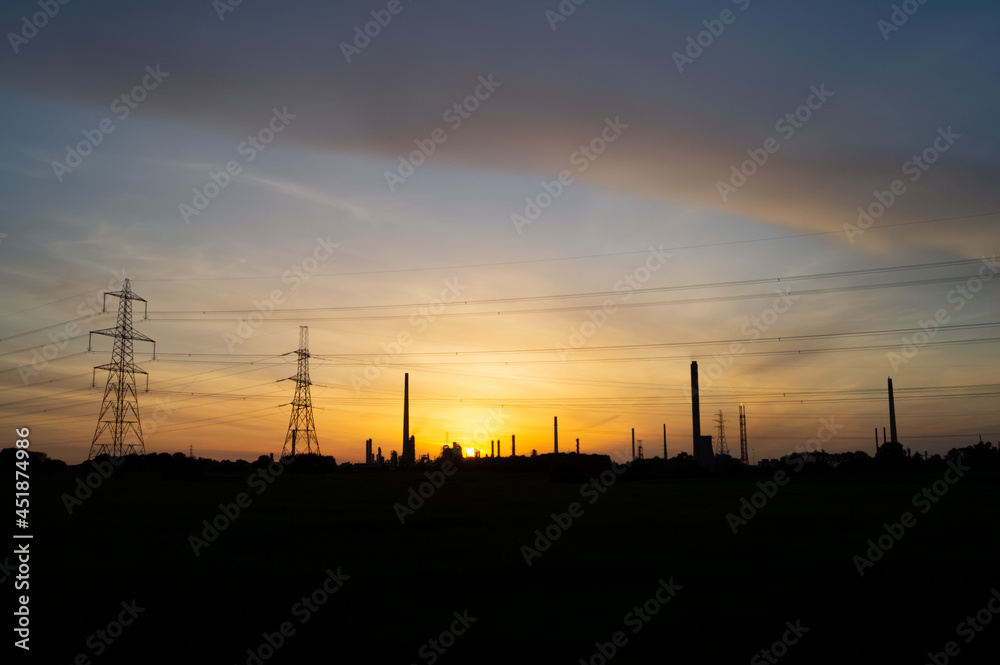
x=461, y=552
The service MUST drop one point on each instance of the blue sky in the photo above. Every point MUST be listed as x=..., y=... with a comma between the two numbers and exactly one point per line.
x=322, y=177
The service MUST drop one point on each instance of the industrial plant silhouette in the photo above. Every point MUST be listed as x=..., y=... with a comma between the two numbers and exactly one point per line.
x=562, y=555
x=120, y=418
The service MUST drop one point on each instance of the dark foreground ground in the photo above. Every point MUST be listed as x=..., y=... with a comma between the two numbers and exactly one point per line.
x=461, y=552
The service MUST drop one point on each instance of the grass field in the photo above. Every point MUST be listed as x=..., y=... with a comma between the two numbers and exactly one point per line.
x=461, y=552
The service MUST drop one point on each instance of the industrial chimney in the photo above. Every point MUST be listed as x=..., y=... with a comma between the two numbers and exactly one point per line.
x=892, y=414
x=408, y=454
x=555, y=425
x=695, y=406
x=703, y=453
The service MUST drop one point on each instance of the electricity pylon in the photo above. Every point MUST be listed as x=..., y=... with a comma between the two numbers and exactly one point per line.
x=301, y=428
x=120, y=409
x=723, y=448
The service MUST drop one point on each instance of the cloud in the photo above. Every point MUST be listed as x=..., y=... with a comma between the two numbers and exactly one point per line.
x=308, y=195
x=686, y=130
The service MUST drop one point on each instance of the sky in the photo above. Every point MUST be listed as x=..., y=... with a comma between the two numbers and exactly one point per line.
x=536, y=209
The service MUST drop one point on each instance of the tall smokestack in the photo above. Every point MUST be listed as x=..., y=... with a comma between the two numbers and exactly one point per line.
x=892, y=414
x=695, y=406
x=664, y=441
x=406, y=417
x=555, y=425
x=513, y=448
x=633, y=444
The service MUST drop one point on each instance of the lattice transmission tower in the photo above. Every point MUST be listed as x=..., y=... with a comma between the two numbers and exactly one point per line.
x=301, y=427
x=723, y=447
x=743, y=436
x=119, y=419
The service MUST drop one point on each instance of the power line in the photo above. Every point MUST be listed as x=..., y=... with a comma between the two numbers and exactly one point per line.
x=782, y=352
x=578, y=308
x=53, y=360
x=622, y=347
x=565, y=296
x=47, y=304
x=598, y=294
x=54, y=325
x=585, y=256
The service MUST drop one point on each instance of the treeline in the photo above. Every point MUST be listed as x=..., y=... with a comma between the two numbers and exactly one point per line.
x=565, y=467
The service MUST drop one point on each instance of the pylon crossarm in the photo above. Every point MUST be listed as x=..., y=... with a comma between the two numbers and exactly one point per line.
x=107, y=332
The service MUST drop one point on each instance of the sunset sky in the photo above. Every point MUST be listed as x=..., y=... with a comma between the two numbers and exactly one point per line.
x=534, y=214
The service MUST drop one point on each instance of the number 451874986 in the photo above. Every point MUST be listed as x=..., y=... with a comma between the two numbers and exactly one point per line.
x=21, y=486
